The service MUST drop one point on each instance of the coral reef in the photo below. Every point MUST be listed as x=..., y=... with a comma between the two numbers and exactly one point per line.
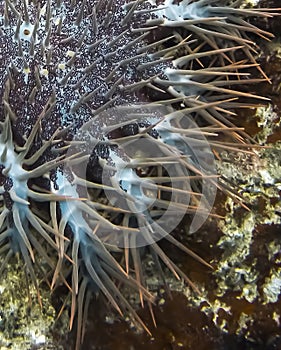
x=24, y=323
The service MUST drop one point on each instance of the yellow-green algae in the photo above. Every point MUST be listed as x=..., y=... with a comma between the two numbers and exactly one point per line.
x=259, y=179
x=23, y=323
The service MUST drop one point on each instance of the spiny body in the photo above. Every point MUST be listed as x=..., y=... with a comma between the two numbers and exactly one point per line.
x=65, y=62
